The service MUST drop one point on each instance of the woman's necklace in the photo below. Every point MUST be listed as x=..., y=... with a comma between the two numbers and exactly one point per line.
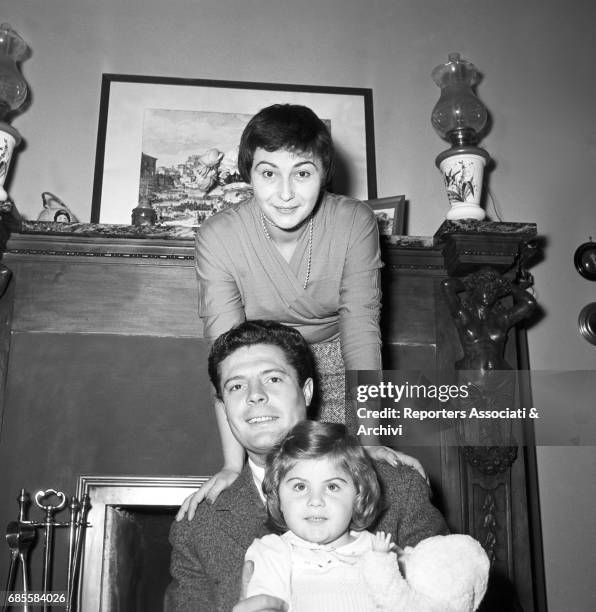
x=309, y=261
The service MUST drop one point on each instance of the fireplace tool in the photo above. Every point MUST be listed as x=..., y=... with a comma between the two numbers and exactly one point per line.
x=21, y=535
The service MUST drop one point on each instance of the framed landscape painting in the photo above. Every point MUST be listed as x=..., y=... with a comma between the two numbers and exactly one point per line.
x=172, y=143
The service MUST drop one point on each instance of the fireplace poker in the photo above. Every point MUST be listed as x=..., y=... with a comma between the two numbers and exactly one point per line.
x=23, y=500
x=48, y=525
x=72, y=529
x=71, y=592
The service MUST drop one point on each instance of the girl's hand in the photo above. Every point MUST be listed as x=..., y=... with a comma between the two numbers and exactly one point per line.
x=394, y=458
x=382, y=543
x=209, y=491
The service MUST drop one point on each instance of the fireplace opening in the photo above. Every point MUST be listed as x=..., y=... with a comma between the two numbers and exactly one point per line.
x=126, y=557
x=136, y=558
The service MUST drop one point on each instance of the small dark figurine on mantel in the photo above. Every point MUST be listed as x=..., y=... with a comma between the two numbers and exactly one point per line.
x=481, y=319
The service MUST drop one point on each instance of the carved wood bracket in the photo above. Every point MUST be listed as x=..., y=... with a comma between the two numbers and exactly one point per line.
x=469, y=245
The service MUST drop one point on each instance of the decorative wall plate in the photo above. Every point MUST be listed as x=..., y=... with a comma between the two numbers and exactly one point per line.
x=585, y=259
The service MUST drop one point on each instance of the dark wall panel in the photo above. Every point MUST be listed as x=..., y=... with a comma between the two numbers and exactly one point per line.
x=102, y=404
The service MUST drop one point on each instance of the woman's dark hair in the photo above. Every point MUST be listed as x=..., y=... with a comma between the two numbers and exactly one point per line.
x=248, y=333
x=315, y=440
x=288, y=127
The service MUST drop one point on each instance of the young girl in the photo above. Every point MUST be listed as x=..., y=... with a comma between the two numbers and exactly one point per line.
x=322, y=492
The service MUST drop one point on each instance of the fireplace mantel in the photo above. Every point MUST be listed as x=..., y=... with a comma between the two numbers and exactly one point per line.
x=103, y=369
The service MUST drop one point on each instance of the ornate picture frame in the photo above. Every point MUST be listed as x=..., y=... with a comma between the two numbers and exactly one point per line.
x=172, y=140
x=390, y=213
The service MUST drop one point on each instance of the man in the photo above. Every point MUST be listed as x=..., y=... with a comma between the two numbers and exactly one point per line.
x=262, y=372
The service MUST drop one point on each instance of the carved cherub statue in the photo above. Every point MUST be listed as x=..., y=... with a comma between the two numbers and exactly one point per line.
x=482, y=319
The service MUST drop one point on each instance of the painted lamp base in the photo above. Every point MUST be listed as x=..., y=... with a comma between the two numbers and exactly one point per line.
x=463, y=171
x=465, y=210
x=9, y=139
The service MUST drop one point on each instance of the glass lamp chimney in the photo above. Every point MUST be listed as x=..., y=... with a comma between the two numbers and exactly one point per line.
x=13, y=88
x=459, y=116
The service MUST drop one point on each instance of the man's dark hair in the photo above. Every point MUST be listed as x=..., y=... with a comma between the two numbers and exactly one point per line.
x=249, y=333
x=312, y=440
x=288, y=127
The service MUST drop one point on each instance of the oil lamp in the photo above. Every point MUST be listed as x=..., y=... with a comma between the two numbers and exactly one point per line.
x=13, y=92
x=460, y=118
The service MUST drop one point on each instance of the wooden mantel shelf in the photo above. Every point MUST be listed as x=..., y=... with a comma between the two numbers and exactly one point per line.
x=456, y=246
x=135, y=244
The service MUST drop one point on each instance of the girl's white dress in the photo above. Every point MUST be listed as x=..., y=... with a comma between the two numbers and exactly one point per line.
x=314, y=577
x=442, y=574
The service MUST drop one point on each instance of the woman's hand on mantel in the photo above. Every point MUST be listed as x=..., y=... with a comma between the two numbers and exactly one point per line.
x=394, y=458
x=209, y=492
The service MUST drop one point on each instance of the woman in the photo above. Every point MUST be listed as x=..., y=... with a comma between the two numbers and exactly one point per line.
x=296, y=254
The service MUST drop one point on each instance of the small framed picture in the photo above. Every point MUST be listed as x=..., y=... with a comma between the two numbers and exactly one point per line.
x=390, y=214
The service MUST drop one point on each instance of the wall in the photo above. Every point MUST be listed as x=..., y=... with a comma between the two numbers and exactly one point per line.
x=538, y=59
